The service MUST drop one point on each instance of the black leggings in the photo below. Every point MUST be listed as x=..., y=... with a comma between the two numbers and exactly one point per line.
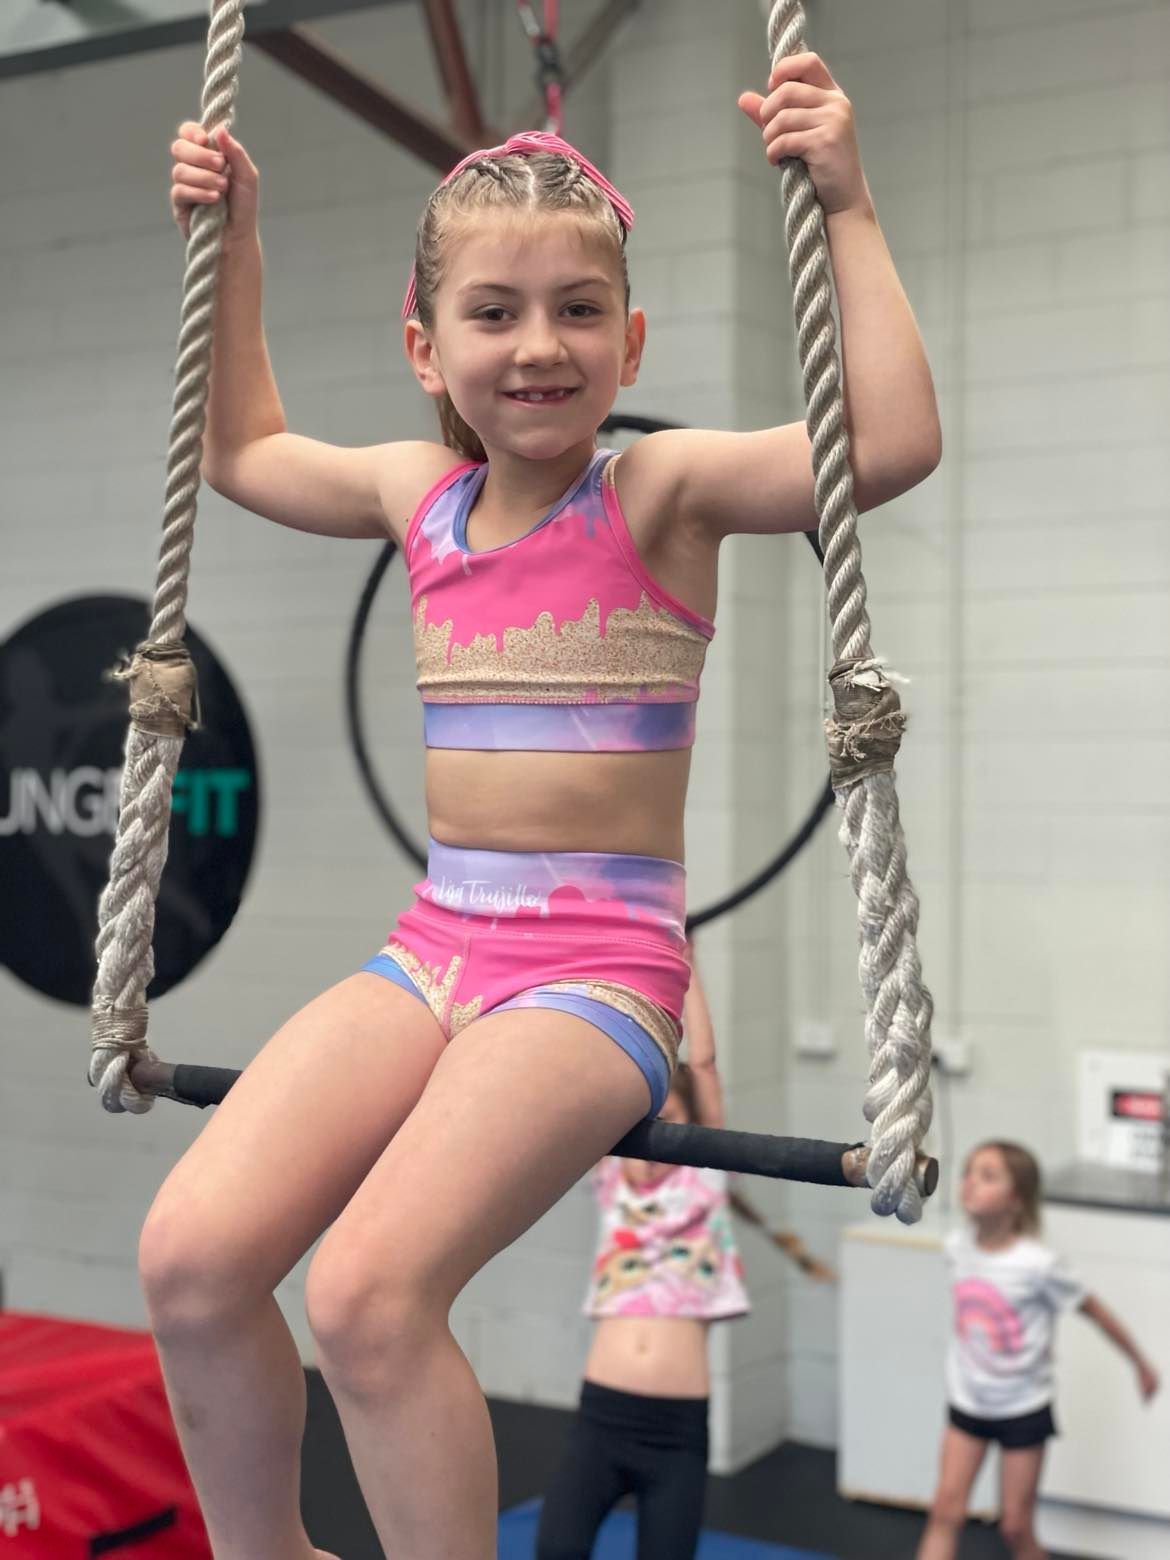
x=622, y=1444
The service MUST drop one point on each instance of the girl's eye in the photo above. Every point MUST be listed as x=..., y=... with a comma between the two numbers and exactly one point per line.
x=493, y=313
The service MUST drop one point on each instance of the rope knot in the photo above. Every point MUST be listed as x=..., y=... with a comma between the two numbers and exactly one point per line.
x=164, y=689
x=119, y=1029
x=119, y=1040
x=865, y=730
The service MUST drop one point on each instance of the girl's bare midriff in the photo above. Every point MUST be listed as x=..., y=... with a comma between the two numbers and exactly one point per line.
x=656, y=1356
x=621, y=803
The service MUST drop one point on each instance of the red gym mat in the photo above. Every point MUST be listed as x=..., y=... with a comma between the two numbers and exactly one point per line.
x=89, y=1461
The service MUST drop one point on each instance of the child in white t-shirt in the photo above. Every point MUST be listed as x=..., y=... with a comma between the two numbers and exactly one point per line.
x=1008, y=1290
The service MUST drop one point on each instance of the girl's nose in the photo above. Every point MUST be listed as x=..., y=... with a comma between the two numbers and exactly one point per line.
x=539, y=344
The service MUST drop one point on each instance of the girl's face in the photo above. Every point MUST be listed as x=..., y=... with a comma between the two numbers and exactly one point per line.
x=987, y=1191
x=524, y=306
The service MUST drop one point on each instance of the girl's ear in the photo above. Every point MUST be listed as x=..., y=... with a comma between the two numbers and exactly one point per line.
x=423, y=357
x=635, y=343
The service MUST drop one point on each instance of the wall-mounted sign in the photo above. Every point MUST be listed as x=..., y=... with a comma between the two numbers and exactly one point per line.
x=62, y=734
x=1122, y=1094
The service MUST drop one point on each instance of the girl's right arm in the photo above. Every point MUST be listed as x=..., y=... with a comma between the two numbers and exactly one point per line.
x=700, y=1038
x=249, y=455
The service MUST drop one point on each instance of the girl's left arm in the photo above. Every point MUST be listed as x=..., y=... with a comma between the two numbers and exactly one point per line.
x=700, y=1038
x=1118, y=1333
x=762, y=482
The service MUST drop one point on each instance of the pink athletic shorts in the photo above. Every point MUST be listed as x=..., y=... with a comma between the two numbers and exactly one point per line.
x=597, y=935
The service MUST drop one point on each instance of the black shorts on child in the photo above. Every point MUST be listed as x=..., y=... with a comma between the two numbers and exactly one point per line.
x=1012, y=1434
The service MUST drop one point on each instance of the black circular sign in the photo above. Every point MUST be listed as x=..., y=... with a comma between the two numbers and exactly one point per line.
x=62, y=735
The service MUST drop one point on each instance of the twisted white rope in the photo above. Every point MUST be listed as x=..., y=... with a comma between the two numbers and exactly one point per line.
x=897, y=1026
x=126, y=910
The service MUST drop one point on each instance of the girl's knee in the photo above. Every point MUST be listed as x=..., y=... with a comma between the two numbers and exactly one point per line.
x=1015, y=1528
x=192, y=1283
x=948, y=1510
x=369, y=1324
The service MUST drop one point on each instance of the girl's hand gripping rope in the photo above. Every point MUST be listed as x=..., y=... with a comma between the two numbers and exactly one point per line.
x=806, y=115
x=206, y=170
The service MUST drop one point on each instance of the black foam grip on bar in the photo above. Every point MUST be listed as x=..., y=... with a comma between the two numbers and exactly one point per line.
x=751, y=1153
x=203, y=1085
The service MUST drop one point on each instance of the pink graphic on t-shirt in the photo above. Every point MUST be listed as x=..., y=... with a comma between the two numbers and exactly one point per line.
x=982, y=1311
x=666, y=1246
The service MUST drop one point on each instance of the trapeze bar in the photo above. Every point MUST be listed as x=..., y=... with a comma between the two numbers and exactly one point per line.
x=670, y=1143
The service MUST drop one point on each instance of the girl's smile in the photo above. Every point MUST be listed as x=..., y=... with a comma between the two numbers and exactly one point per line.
x=547, y=396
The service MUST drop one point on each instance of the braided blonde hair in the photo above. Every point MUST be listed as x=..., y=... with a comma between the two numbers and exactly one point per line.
x=535, y=183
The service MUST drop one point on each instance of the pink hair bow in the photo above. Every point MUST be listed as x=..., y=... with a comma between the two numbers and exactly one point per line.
x=525, y=144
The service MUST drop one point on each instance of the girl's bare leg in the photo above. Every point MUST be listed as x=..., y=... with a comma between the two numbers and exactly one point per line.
x=274, y=1166
x=521, y=1104
x=959, y=1464
x=1019, y=1481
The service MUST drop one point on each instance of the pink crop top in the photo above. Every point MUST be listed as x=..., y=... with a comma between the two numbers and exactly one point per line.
x=666, y=1248
x=560, y=641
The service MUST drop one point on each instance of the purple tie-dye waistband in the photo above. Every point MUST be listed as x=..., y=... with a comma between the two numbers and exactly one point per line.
x=540, y=884
x=560, y=728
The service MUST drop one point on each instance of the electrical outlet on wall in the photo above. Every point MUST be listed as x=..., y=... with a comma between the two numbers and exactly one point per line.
x=814, y=1037
x=952, y=1054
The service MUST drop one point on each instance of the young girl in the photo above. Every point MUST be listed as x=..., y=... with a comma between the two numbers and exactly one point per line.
x=524, y=1013
x=666, y=1268
x=1008, y=1290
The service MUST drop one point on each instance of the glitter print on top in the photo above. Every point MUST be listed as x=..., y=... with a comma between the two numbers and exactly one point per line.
x=558, y=641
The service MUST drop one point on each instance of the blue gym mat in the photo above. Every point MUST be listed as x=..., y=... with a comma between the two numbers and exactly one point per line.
x=616, y=1540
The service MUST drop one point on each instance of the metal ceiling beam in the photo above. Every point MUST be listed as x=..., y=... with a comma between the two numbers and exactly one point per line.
x=310, y=59
x=40, y=35
x=118, y=27
x=454, y=72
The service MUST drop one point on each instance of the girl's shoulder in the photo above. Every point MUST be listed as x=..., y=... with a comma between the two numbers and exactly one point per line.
x=957, y=1239
x=410, y=473
x=961, y=1244
x=1026, y=1252
x=716, y=1183
x=1046, y=1274
x=610, y=1175
x=1034, y=1252
x=1029, y=1251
